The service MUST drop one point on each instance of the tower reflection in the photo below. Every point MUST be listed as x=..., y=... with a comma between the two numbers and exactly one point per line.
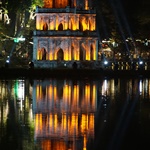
x=74, y=115
x=64, y=113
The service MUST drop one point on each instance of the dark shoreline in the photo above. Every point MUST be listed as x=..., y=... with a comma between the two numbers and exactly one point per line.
x=10, y=73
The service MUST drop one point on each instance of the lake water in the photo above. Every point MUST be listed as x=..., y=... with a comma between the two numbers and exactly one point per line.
x=51, y=114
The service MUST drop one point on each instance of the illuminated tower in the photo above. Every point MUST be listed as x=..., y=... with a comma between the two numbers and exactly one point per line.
x=65, y=33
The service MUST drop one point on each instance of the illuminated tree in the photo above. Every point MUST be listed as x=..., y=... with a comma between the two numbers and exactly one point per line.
x=39, y=3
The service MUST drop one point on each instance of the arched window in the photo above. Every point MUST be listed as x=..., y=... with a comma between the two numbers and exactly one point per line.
x=80, y=26
x=60, y=54
x=91, y=51
x=45, y=27
x=60, y=27
x=90, y=26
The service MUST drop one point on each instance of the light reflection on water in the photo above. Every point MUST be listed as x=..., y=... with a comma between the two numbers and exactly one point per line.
x=74, y=115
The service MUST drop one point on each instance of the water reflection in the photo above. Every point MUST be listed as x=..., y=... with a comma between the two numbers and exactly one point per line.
x=74, y=115
x=64, y=113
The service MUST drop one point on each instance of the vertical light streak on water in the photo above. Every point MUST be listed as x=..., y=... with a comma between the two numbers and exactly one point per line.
x=140, y=87
x=105, y=85
x=123, y=124
x=102, y=112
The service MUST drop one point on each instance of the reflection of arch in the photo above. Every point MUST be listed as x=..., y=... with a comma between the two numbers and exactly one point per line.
x=91, y=51
x=60, y=27
x=60, y=54
x=43, y=52
x=43, y=92
x=60, y=91
x=80, y=26
x=45, y=27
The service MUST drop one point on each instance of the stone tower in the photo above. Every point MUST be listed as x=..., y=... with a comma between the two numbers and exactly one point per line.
x=65, y=33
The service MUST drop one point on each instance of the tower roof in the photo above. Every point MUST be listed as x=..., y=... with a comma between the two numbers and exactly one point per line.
x=56, y=3
x=81, y=4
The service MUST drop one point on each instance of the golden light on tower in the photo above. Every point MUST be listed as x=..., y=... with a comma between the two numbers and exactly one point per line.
x=55, y=4
x=66, y=32
x=48, y=3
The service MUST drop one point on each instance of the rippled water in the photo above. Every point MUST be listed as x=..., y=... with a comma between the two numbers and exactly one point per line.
x=51, y=114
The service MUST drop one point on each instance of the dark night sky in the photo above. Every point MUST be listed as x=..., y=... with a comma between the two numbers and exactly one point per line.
x=135, y=12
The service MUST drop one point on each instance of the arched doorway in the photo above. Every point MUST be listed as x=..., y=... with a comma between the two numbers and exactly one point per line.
x=43, y=51
x=72, y=53
x=71, y=26
x=81, y=54
x=60, y=27
x=60, y=54
x=45, y=27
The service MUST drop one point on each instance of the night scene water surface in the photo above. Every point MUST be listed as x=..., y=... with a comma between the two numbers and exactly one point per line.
x=51, y=114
